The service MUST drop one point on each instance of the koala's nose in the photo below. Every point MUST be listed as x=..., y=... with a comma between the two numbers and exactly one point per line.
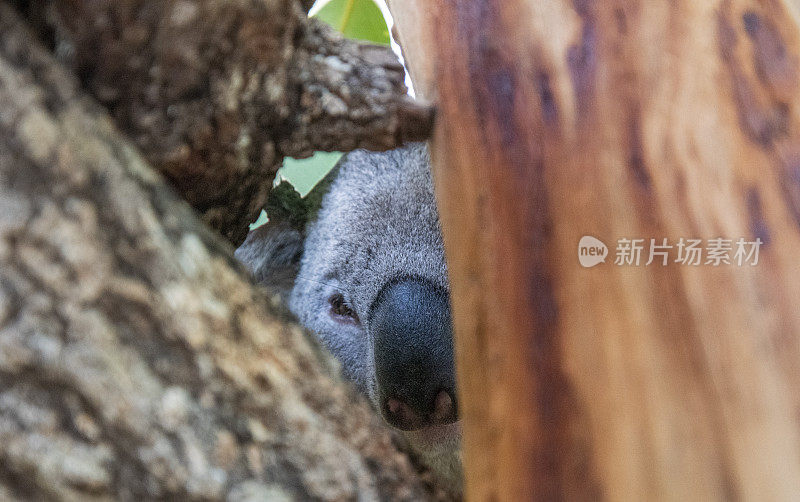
x=412, y=339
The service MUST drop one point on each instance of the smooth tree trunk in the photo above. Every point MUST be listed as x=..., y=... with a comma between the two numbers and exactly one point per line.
x=634, y=119
x=137, y=361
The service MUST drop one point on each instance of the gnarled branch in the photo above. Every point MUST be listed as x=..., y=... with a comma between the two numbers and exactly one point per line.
x=216, y=92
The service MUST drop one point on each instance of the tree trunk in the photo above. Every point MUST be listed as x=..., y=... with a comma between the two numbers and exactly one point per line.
x=216, y=92
x=136, y=360
x=631, y=119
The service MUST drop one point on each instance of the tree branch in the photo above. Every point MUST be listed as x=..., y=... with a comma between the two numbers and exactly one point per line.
x=349, y=98
x=136, y=361
x=213, y=92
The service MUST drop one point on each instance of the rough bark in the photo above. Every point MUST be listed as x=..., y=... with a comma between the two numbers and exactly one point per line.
x=137, y=362
x=216, y=92
x=618, y=119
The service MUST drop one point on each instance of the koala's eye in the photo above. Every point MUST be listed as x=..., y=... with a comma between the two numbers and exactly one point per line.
x=341, y=311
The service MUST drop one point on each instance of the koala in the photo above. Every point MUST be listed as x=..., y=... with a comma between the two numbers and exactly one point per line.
x=370, y=280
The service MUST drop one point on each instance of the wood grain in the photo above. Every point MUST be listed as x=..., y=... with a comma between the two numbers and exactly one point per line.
x=618, y=119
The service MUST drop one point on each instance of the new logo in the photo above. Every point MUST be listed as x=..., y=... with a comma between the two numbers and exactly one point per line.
x=591, y=251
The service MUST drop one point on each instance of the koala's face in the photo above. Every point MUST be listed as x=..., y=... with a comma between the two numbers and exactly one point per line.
x=373, y=287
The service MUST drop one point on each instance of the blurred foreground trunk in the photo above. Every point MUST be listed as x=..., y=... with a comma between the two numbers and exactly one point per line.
x=633, y=119
x=136, y=360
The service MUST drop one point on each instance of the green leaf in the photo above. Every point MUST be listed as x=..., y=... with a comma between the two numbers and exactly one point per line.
x=262, y=219
x=303, y=174
x=360, y=19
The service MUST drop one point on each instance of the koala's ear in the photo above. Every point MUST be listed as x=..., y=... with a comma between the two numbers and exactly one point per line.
x=272, y=253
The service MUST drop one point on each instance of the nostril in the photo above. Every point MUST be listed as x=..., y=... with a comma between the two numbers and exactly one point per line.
x=444, y=408
x=400, y=415
x=394, y=405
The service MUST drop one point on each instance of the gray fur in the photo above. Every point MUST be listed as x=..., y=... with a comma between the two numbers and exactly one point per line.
x=378, y=221
x=272, y=252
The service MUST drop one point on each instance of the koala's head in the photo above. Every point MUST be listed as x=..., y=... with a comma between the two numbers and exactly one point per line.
x=373, y=286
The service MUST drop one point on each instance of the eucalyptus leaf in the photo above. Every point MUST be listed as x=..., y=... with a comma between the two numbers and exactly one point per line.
x=303, y=174
x=359, y=19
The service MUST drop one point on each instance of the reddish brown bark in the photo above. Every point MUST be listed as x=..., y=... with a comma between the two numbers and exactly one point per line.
x=618, y=119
